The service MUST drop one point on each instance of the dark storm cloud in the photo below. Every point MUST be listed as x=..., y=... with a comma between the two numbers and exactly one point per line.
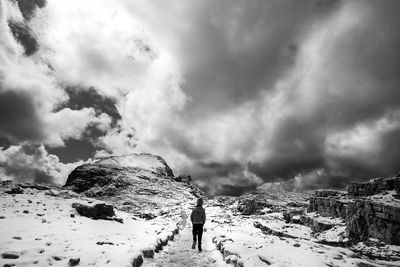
x=80, y=97
x=24, y=35
x=28, y=7
x=356, y=84
x=19, y=120
x=235, y=49
x=364, y=64
x=88, y=144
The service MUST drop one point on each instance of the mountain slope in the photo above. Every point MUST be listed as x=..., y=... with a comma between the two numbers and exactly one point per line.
x=142, y=184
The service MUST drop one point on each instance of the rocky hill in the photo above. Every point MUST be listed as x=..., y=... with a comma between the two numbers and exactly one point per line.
x=141, y=184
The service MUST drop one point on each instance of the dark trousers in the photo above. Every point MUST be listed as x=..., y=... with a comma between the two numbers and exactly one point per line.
x=197, y=233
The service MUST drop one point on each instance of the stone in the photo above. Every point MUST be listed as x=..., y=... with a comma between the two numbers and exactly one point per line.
x=364, y=212
x=98, y=211
x=105, y=172
x=15, y=191
x=104, y=243
x=138, y=261
x=10, y=255
x=74, y=261
x=148, y=253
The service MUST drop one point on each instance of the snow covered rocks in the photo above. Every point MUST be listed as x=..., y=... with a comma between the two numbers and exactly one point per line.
x=370, y=209
x=142, y=184
x=98, y=211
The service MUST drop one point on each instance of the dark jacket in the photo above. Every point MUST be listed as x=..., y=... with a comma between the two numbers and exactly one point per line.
x=198, y=215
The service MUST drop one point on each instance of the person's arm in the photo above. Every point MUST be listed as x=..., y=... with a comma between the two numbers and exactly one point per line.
x=191, y=216
x=204, y=216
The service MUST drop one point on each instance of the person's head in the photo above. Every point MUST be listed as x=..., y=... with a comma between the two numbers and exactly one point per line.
x=200, y=202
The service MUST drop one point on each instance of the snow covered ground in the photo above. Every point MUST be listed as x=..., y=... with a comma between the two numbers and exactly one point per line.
x=179, y=252
x=240, y=242
x=39, y=229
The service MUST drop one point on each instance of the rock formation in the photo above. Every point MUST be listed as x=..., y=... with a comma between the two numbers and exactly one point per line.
x=139, y=183
x=370, y=209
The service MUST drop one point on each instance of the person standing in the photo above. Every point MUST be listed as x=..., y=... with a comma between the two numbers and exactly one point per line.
x=198, y=218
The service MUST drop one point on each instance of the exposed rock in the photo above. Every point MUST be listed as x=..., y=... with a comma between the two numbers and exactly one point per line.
x=105, y=171
x=251, y=206
x=136, y=183
x=267, y=200
x=186, y=178
x=148, y=253
x=137, y=262
x=318, y=223
x=370, y=209
x=104, y=243
x=98, y=211
x=52, y=192
x=34, y=186
x=373, y=187
x=10, y=255
x=15, y=190
x=293, y=216
x=74, y=261
x=6, y=183
x=56, y=258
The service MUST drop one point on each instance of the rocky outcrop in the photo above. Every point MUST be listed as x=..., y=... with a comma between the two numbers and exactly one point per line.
x=142, y=184
x=373, y=187
x=368, y=218
x=108, y=171
x=98, y=211
x=329, y=203
x=369, y=209
x=251, y=206
x=265, y=200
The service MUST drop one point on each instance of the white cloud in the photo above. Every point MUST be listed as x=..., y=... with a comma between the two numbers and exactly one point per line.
x=27, y=164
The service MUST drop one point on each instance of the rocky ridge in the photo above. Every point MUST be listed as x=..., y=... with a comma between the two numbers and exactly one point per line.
x=141, y=184
x=371, y=210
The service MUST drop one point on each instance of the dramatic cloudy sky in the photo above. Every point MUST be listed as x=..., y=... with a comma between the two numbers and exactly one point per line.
x=235, y=92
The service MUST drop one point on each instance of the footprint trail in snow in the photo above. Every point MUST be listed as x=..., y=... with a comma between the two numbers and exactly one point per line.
x=180, y=253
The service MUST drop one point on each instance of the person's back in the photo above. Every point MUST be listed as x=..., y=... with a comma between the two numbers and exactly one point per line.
x=198, y=215
x=198, y=218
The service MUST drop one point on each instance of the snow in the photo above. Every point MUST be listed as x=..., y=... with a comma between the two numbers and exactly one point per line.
x=253, y=248
x=180, y=253
x=49, y=231
x=386, y=198
x=48, y=235
x=141, y=161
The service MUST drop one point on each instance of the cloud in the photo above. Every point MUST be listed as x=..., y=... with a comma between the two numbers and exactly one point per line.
x=278, y=90
x=33, y=164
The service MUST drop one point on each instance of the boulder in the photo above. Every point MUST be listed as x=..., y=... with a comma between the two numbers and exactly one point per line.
x=98, y=211
x=10, y=255
x=252, y=205
x=15, y=190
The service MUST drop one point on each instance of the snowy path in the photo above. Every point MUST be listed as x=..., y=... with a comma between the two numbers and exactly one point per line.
x=180, y=253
